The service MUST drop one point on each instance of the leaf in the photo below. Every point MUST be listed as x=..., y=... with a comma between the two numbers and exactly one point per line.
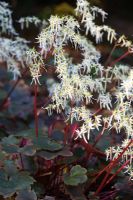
x=11, y=184
x=10, y=149
x=23, y=180
x=29, y=164
x=57, y=135
x=77, y=176
x=28, y=150
x=9, y=167
x=26, y=195
x=10, y=140
x=29, y=133
x=9, y=144
x=78, y=170
x=7, y=188
x=48, y=155
x=43, y=142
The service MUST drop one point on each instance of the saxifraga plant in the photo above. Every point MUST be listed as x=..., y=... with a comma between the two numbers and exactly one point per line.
x=87, y=96
x=87, y=82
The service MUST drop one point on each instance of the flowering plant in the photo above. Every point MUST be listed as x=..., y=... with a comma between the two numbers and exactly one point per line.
x=90, y=103
x=87, y=82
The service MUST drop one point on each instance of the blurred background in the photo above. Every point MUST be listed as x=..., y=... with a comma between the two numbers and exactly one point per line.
x=120, y=11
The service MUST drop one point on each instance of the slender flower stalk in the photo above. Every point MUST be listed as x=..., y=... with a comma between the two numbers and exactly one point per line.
x=109, y=57
x=120, y=58
x=35, y=110
x=110, y=167
x=117, y=172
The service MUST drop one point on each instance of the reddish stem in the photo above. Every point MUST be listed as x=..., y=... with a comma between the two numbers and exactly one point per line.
x=111, y=195
x=97, y=111
x=9, y=94
x=35, y=110
x=120, y=155
x=11, y=91
x=117, y=172
x=109, y=57
x=21, y=160
x=120, y=58
x=110, y=167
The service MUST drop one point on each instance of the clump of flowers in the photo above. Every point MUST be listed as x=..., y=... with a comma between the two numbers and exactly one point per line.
x=87, y=82
x=13, y=47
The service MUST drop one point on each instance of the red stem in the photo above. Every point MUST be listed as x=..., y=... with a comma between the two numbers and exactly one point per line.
x=12, y=90
x=35, y=110
x=109, y=57
x=117, y=172
x=115, y=161
x=108, y=196
x=109, y=167
x=97, y=111
x=120, y=58
x=21, y=160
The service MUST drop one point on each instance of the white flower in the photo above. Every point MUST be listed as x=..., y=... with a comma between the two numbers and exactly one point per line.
x=105, y=101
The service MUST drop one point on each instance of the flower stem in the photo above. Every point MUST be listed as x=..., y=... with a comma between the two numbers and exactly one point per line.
x=35, y=110
x=21, y=160
x=12, y=90
x=110, y=167
x=117, y=172
x=120, y=58
x=109, y=57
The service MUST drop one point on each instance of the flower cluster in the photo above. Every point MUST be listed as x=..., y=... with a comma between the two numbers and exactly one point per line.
x=35, y=63
x=6, y=23
x=13, y=48
x=26, y=21
x=87, y=82
x=88, y=16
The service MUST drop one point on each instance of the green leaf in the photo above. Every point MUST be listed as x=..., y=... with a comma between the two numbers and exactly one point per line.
x=77, y=176
x=11, y=184
x=9, y=144
x=9, y=167
x=40, y=142
x=7, y=187
x=26, y=195
x=23, y=180
x=43, y=142
x=48, y=155
x=29, y=133
x=29, y=164
x=10, y=140
x=10, y=149
x=78, y=170
x=28, y=150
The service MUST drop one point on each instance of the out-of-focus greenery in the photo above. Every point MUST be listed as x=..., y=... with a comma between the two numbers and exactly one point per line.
x=63, y=9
